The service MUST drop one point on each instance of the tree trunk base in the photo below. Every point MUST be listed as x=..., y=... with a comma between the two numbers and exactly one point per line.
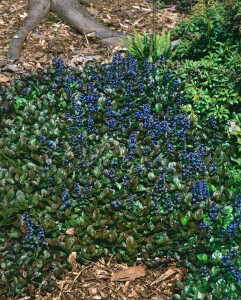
x=72, y=13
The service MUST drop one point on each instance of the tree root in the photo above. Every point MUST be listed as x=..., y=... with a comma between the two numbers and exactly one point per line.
x=38, y=10
x=72, y=13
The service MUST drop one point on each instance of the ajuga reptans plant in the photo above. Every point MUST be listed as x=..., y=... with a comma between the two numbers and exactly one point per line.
x=109, y=152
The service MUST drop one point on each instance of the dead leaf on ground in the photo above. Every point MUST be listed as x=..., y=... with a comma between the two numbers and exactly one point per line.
x=70, y=231
x=164, y=276
x=93, y=291
x=101, y=274
x=13, y=68
x=79, y=60
x=4, y=78
x=95, y=12
x=3, y=62
x=28, y=67
x=129, y=274
x=72, y=261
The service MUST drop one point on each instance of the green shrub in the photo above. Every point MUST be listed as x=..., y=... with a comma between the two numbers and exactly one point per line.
x=211, y=67
x=211, y=71
x=213, y=84
x=211, y=24
x=232, y=16
x=201, y=34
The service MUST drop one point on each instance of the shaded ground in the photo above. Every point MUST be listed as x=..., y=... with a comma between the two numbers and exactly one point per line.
x=107, y=280
x=54, y=39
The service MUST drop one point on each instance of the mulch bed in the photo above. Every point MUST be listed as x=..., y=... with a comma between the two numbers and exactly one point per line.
x=101, y=280
x=55, y=39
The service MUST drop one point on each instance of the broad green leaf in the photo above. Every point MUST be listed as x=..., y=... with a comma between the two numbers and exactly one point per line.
x=97, y=172
x=130, y=242
x=119, y=185
x=177, y=182
x=158, y=107
x=10, y=195
x=203, y=257
x=140, y=188
x=8, y=212
x=228, y=210
x=184, y=220
x=105, y=180
x=69, y=242
x=151, y=175
x=162, y=239
x=215, y=271
x=229, y=218
x=217, y=256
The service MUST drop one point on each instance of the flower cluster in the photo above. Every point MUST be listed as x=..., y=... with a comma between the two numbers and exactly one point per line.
x=77, y=190
x=30, y=238
x=228, y=264
x=139, y=125
x=213, y=211
x=200, y=192
x=49, y=143
x=59, y=67
x=212, y=122
x=66, y=198
x=222, y=221
x=237, y=203
x=29, y=230
x=203, y=225
x=192, y=163
x=204, y=272
x=230, y=231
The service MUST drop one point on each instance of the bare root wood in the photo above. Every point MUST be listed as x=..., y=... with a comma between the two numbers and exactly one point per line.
x=71, y=12
x=85, y=2
x=38, y=10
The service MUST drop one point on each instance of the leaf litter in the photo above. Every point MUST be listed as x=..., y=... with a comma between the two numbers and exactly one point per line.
x=52, y=38
x=111, y=280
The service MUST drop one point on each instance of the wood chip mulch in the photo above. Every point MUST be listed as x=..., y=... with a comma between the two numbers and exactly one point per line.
x=53, y=38
x=115, y=281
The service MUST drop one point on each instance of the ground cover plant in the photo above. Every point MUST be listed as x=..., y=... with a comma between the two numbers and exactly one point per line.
x=130, y=173
x=114, y=152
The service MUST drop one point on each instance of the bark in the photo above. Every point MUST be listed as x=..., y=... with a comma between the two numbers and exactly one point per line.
x=38, y=10
x=84, y=2
x=72, y=13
